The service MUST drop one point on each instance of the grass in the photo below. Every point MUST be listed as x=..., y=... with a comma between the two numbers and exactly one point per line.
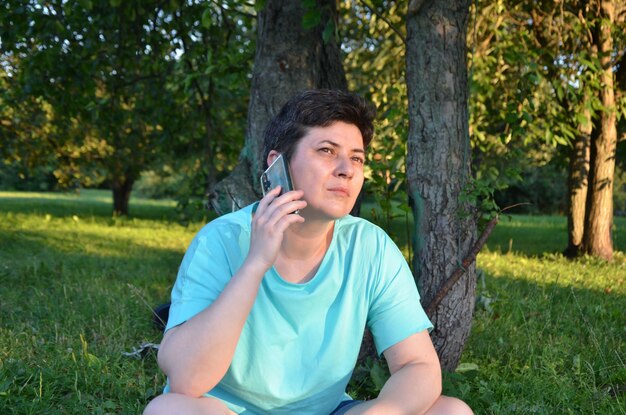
x=548, y=336
x=86, y=203
x=75, y=290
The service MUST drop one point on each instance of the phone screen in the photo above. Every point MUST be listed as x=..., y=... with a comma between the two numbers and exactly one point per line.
x=277, y=174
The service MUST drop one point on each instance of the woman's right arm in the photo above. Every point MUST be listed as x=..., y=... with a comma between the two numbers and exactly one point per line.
x=196, y=355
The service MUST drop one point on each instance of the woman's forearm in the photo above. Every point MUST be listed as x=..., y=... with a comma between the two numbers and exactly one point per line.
x=196, y=355
x=412, y=390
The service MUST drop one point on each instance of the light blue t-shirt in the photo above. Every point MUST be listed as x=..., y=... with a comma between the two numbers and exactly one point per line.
x=300, y=342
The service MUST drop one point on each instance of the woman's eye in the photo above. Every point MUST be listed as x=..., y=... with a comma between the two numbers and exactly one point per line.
x=358, y=160
x=326, y=150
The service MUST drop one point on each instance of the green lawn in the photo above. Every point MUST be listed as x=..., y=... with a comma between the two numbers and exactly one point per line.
x=76, y=286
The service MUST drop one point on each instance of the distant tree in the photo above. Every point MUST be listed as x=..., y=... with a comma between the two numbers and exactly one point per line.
x=129, y=85
x=217, y=41
x=515, y=122
x=538, y=83
x=561, y=34
x=597, y=237
x=577, y=184
x=102, y=69
x=578, y=52
x=296, y=49
x=438, y=165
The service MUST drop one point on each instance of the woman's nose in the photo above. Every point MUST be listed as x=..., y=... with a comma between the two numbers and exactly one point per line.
x=345, y=167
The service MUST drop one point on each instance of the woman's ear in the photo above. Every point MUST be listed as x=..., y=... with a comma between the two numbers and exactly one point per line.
x=272, y=156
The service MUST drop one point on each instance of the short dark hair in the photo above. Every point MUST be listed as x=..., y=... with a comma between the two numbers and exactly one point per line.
x=316, y=108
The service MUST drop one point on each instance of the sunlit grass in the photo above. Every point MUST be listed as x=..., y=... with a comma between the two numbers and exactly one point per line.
x=537, y=235
x=77, y=284
x=549, y=334
x=83, y=203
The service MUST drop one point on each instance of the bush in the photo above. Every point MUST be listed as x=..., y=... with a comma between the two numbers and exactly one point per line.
x=165, y=184
x=543, y=187
x=16, y=177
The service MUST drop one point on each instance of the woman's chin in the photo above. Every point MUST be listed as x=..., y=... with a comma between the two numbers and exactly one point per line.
x=325, y=212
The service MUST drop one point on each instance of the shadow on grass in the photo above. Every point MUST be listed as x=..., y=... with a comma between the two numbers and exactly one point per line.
x=545, y=344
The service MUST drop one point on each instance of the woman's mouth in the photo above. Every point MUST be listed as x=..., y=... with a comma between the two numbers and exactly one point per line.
x=340, y=191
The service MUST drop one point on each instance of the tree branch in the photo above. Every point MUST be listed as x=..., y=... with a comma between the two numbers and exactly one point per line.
x=467, y=261
x=384, y=19
x=458, y=273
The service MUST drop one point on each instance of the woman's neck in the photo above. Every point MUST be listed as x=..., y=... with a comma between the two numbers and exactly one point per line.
x=303, y=249
x=303, y=240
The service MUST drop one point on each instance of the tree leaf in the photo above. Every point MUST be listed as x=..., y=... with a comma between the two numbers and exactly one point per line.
x=378, y=375
x=259, y=5
x=329, y=30
x=311, y=18
x=86, y=4
x=207, y=19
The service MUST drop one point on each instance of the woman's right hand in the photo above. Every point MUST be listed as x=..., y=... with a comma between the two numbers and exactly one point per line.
x=272, y=218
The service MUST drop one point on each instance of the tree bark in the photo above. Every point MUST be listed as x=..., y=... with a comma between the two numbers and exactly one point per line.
x=597, y=238
x=288, y=59
x=121, y=188
x=438, y=166
x=577, y=183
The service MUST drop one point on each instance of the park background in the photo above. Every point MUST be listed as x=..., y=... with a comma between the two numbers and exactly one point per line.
x=119, y=120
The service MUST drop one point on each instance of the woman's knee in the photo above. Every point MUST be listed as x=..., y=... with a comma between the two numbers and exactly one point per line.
x=447, y=405
x=173, y=403
x=157, y=406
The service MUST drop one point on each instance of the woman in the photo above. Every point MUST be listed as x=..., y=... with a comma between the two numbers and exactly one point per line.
x=269, y=306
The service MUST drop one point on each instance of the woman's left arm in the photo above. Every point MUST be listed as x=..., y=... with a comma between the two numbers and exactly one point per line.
x=415, y=382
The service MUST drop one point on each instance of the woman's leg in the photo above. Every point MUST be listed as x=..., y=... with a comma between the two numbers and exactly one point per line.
x=446, y=405
x=174, y=403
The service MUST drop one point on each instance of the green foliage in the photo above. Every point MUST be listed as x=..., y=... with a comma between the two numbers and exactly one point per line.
x=509, y=97
x=619, y=193
x=213, y=76
x=373, y=38
x=158, y=185
x=191, y=198
x=541, y=189
x=535, y=81
x=14, y=176
x=368, y=379
x=103, y=90
x=143, y=84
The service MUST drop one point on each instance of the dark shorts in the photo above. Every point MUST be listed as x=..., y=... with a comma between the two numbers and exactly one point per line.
x=344, y=406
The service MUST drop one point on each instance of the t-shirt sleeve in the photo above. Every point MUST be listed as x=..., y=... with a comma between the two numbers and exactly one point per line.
x=204, y=272
x=395, y=312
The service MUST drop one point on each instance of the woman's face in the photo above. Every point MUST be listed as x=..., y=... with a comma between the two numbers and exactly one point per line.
x=328, y=166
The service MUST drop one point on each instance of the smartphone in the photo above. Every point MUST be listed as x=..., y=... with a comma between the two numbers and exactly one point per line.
x=277, y=174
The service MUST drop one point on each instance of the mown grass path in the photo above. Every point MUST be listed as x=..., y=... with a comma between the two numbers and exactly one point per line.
x=76, y=286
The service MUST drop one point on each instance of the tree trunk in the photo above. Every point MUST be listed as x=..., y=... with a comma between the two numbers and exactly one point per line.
x=288, y=59
x=121, y=195
x=577, y=183
x=597, y=239
x=438, y=165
